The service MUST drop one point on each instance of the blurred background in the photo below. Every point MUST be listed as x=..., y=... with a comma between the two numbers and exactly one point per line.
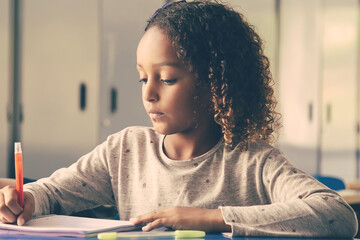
x=68, y=78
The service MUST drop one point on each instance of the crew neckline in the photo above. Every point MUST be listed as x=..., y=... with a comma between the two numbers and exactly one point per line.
x=188, y=161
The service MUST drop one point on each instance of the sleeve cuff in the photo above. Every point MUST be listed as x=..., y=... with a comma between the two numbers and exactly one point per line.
x=228, y=219
x=41, y=207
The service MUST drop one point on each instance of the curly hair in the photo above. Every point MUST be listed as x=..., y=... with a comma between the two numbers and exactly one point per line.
x=217, y=45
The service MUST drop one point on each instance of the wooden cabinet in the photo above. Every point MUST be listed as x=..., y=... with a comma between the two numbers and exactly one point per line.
x=318, y=85
x=340, y=45
x=4, y=76
x=60, y=54
x=299, y=81
x=79, y=78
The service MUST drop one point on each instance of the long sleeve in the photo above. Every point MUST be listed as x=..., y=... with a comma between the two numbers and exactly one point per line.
x=83, y=185
x=259, y=192
x=298, y=206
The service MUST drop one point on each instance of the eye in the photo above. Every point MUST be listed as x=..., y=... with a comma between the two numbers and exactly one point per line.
x=143, y=80
x=169, y=81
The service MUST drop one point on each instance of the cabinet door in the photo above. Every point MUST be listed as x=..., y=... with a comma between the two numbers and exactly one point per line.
x=299, y=80
x=4, y=80
x=122, y=26
x=60, y=53
x=340, y=69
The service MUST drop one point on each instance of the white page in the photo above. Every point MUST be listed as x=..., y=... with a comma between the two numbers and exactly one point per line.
x=61, y=225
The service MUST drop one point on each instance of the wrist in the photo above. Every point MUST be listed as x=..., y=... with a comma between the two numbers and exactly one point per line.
x=29, y=200
x=219, y=222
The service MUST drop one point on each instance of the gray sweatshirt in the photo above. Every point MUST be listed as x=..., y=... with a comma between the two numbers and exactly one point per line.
x=259, y=192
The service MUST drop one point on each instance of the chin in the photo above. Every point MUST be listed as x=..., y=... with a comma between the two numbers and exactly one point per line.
x=162, y=130
x=168, y=130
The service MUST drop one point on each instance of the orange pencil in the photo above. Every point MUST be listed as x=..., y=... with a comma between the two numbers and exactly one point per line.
x=19, y=174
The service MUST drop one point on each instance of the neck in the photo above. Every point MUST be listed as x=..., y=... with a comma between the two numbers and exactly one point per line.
x=184, y=146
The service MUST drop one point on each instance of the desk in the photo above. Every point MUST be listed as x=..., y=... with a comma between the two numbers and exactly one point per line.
x=353, y=185
x=208, y=236
x=352, y=192
x=351, y=196
x=352, y=200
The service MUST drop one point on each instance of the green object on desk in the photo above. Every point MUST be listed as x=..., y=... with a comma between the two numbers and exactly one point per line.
x=177, y=234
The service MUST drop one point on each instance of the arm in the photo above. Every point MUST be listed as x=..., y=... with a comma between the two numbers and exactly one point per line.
x=7, y=182
x=186, y=218
x=83, y=185
x=300, y=206
x=293, y=204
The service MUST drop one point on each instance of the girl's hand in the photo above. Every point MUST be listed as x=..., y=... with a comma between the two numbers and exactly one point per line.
x=11, y=211
x=186, y=218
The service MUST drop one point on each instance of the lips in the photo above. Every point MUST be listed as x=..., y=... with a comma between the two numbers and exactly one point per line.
x=155, y=115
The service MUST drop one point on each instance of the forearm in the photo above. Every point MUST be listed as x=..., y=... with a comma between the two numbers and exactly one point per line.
x=7, y=182
x=184, y=218
x=65, y=193
x=83, y=185
x=218, y=221
x=313, y=217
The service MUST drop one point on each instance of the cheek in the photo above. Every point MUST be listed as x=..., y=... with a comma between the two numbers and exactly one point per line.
x=143, y=96
x=184, y=105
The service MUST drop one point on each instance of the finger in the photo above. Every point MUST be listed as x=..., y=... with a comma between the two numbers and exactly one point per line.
x=10, y=199
x=23, y=218
x=26, y=215
x=147, y=217
x=160, y=222
x=6, y=216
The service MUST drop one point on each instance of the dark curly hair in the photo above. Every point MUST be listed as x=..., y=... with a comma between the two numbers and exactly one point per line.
x=217, y=45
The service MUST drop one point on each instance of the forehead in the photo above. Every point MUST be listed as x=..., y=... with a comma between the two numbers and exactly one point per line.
x=155, y=46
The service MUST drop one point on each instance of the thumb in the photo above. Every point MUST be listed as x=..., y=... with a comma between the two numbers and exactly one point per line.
x=24, y=216
x=29, y=206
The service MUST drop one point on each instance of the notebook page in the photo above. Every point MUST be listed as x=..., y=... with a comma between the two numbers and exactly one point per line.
x=60, y=225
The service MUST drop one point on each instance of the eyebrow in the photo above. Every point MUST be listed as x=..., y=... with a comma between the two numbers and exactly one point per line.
x=161, y=64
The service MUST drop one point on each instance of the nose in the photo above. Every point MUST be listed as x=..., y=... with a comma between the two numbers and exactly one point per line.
x=150, y=91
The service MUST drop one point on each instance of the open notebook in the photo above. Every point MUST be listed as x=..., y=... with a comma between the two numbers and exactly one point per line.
x=67, y=226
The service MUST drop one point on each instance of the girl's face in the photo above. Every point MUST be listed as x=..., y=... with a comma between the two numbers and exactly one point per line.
x=169, y=94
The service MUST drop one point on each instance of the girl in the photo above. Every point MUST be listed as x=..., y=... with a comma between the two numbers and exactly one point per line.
x=206, y=164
